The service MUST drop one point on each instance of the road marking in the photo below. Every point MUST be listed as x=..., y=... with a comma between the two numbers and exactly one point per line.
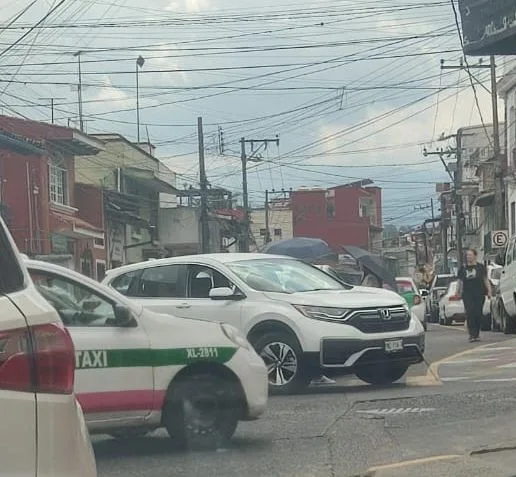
x=487, y=349
x=399, y=410
x=508, y=365
x=433, y=371
x=494, y=380
x=408, y=463
x=468, y=361
x=458, y=378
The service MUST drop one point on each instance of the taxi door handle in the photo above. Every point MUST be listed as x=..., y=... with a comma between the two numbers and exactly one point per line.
x=183, y=306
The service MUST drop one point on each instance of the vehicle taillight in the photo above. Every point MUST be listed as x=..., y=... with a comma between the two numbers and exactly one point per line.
x=417, y=300
x=40, y=359
x=455, y=298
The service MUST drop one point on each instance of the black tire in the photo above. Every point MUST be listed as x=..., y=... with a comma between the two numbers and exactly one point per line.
x=448, y=321
x=495, y=326
x=507, y=325
x=381, y=373
x=295, y=376
x=129, y=433
x=202, y=412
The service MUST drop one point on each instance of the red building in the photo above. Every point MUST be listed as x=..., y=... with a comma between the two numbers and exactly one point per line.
x=350, y=214
x=49, y=215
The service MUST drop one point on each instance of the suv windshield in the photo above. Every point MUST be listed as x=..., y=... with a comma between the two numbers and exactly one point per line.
x=283, y=276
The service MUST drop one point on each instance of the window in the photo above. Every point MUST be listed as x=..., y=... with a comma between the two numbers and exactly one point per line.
x=513, y=218
x=160, y=282
x=122, y=283
x=405, y=286
x=99, y=243
x=58, y=183
x=277, y=233
x=11, y=275
x=76, y=304
x=202, y=279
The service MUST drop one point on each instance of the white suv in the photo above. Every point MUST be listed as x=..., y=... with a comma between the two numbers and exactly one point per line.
x=43, y=432
x=299, y=319
x=506, y=304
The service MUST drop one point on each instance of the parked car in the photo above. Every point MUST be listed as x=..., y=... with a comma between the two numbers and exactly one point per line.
x=438, y=288
x=451, y=308
x=506, y=305
x=138, y=370
x=494, y=273
x=43, y=431
x=300, y=320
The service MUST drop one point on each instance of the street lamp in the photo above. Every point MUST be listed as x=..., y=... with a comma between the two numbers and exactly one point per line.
x=139, y=64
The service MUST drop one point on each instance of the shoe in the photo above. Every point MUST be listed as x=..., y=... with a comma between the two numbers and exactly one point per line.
x=323, y=381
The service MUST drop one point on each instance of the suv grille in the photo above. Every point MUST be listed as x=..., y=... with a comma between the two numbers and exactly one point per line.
x=380, y=320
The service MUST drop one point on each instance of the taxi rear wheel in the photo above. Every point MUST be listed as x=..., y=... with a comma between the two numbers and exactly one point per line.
x=202, y=412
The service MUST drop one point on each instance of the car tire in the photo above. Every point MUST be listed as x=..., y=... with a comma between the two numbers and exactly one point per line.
x=495, y=326
x=381, y=373
x=295, y=376
x=506, y=324
x=201, y=412
x=128, y=434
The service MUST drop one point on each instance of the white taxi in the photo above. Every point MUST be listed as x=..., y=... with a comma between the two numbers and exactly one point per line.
x=137, y=370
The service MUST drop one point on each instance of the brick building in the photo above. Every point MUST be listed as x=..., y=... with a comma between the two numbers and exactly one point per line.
x=349, y=214
x=50, y=216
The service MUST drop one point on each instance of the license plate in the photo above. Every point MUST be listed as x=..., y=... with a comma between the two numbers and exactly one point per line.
x=392, y=346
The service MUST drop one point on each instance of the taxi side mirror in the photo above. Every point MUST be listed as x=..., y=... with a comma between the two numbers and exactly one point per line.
x=224, y=293
x=124, y=316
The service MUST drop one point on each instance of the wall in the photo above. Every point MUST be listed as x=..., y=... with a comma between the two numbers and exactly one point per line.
x=99, y=169
x=280, y=219
x=311, y=216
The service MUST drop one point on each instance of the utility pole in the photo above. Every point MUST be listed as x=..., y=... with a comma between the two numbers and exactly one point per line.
x=244, y=241
x=499, y=184
x=267, y=229
x=205, y=231
x=79, y=91
x=140, y=61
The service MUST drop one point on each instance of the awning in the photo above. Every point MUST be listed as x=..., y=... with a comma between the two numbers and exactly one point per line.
x=74, y=227
x=484, y=200
x=149, y=179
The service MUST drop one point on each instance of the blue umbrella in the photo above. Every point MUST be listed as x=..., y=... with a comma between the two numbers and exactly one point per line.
x=308, y=249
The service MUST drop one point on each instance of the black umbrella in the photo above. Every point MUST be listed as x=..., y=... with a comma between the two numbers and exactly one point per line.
x=372, y=264
x=307, y=249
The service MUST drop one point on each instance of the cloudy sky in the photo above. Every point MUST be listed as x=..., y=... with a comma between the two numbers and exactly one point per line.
x=352, y=88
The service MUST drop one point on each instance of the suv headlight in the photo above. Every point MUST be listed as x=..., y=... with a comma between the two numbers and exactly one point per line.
x=235, y=336
x=324, y=313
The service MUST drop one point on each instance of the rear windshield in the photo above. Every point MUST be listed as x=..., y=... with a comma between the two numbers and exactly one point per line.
x=443, y=282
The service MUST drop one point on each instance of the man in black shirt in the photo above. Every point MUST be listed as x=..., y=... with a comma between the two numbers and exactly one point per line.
x=474, y=287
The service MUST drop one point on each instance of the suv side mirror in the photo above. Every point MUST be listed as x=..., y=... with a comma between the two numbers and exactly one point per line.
x=123, y=316
x=224, y=293
x=423, y=292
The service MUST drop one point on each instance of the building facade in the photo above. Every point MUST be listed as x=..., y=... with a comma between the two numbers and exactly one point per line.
x=350, y=214
x=277, y=217
x=44, y=209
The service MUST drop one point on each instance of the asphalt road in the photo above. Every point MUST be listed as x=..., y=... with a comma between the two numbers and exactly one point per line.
x=429, y=424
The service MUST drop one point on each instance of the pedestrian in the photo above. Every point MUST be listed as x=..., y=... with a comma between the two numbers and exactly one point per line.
x=474, y=287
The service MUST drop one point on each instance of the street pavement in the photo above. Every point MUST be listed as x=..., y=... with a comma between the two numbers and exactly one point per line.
x=454, y=417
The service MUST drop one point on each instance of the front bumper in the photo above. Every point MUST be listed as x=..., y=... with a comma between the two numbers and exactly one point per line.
x=345, y=354
x=252, y=373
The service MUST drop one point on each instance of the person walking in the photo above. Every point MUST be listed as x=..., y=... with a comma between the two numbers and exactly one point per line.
x=474, y=287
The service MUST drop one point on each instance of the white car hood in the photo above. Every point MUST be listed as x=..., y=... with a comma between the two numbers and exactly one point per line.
x=356, y=297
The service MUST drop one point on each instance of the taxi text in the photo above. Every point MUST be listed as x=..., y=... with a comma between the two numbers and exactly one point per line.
x=201, y=353
x=91, y=359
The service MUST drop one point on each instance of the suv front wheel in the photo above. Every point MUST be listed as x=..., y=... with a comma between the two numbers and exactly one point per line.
x=283, y=357
x=381, y=373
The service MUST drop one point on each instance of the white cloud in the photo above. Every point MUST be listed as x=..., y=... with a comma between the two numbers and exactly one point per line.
x=188, y=5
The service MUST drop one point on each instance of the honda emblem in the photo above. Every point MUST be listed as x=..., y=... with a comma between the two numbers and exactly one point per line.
x=385, y=314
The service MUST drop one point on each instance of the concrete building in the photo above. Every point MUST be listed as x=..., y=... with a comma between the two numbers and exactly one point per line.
x=135, y=185
x=50, y=217
x=280, y=222
x=349, y=214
